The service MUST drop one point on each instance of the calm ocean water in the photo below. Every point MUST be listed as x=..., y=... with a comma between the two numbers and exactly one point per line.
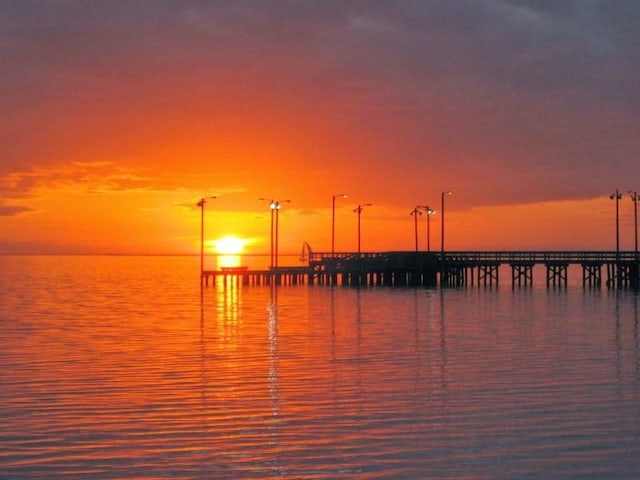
x=120, y=367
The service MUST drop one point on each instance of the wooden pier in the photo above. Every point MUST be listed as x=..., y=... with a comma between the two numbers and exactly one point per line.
x=621, y=268
x=453, y=269
x=244, y=276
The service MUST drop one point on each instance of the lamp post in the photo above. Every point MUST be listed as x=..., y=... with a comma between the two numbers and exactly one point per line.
x=277, y=230
x=416, y=212
x=617, y=196
x=429, y=211
x=274, y=206
x=358, y=210
x=634, y=198
x=271, y=236
x=201, y=204
x=333, y=220
x=444, y=194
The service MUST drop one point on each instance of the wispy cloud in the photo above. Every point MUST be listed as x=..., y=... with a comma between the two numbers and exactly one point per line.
x=12, y=210
x=89, y=177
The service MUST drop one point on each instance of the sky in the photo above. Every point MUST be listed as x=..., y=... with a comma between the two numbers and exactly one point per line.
x=118, y=116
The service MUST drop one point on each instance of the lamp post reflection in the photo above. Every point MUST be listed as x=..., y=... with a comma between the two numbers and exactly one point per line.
x=333, y=220
x=358, y=210
x=201, y=204
x=273, y=375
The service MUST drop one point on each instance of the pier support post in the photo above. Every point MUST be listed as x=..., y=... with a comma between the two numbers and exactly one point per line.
x=522, y=273
x=488, y=274
x=591, y=274
x=634, y=273
x=619, y=274
x=557, y=274
x=452, y=275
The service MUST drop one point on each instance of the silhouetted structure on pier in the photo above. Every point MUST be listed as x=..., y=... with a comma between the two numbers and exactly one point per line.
x=453, y=269
x=383, y=268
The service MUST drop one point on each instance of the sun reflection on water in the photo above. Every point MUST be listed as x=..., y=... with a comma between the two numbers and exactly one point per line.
x=228, y=310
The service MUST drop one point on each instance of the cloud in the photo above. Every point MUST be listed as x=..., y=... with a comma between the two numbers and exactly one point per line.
x=90, y=177
x=511, y=100
x=12, y=210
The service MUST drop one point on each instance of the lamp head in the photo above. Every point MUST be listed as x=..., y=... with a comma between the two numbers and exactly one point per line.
x=203, y=200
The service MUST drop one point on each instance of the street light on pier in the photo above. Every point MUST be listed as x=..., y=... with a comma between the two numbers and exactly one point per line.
x=358, y=210
x=333, y=220
x=444, y=194
x=416, y=212
x=201, y=204
x=634, y=199
x=428, y=211
x=274, y=206
x=617, y=196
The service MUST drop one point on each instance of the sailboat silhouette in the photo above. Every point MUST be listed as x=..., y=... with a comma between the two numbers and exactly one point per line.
x=306, y=252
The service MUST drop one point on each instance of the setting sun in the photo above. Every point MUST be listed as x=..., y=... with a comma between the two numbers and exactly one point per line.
x=229, y=249
x=229, y=245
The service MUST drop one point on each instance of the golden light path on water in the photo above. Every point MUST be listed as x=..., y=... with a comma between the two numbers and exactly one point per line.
x=121, y=367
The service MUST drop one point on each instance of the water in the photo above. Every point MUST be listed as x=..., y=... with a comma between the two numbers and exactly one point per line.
x=117, y=367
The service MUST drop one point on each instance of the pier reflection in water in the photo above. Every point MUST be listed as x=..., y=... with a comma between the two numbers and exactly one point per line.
x=145, y=378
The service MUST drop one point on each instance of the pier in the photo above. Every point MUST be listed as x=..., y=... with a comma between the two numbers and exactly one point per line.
x=244, y=276
x=452, y=269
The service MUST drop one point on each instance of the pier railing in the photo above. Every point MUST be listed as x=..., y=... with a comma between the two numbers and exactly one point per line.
x=498, y=256
x=542, y=256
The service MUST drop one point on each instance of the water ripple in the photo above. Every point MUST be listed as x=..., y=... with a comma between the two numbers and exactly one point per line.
x=107, y=372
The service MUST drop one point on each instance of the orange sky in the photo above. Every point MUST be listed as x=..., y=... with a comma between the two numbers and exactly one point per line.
x=118, y=118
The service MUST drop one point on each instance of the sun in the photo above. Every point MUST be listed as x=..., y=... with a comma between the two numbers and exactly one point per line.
x=229, y=250
x=229, y=245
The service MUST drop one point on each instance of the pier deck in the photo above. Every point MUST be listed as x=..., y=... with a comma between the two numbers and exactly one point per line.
x=618, y=269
